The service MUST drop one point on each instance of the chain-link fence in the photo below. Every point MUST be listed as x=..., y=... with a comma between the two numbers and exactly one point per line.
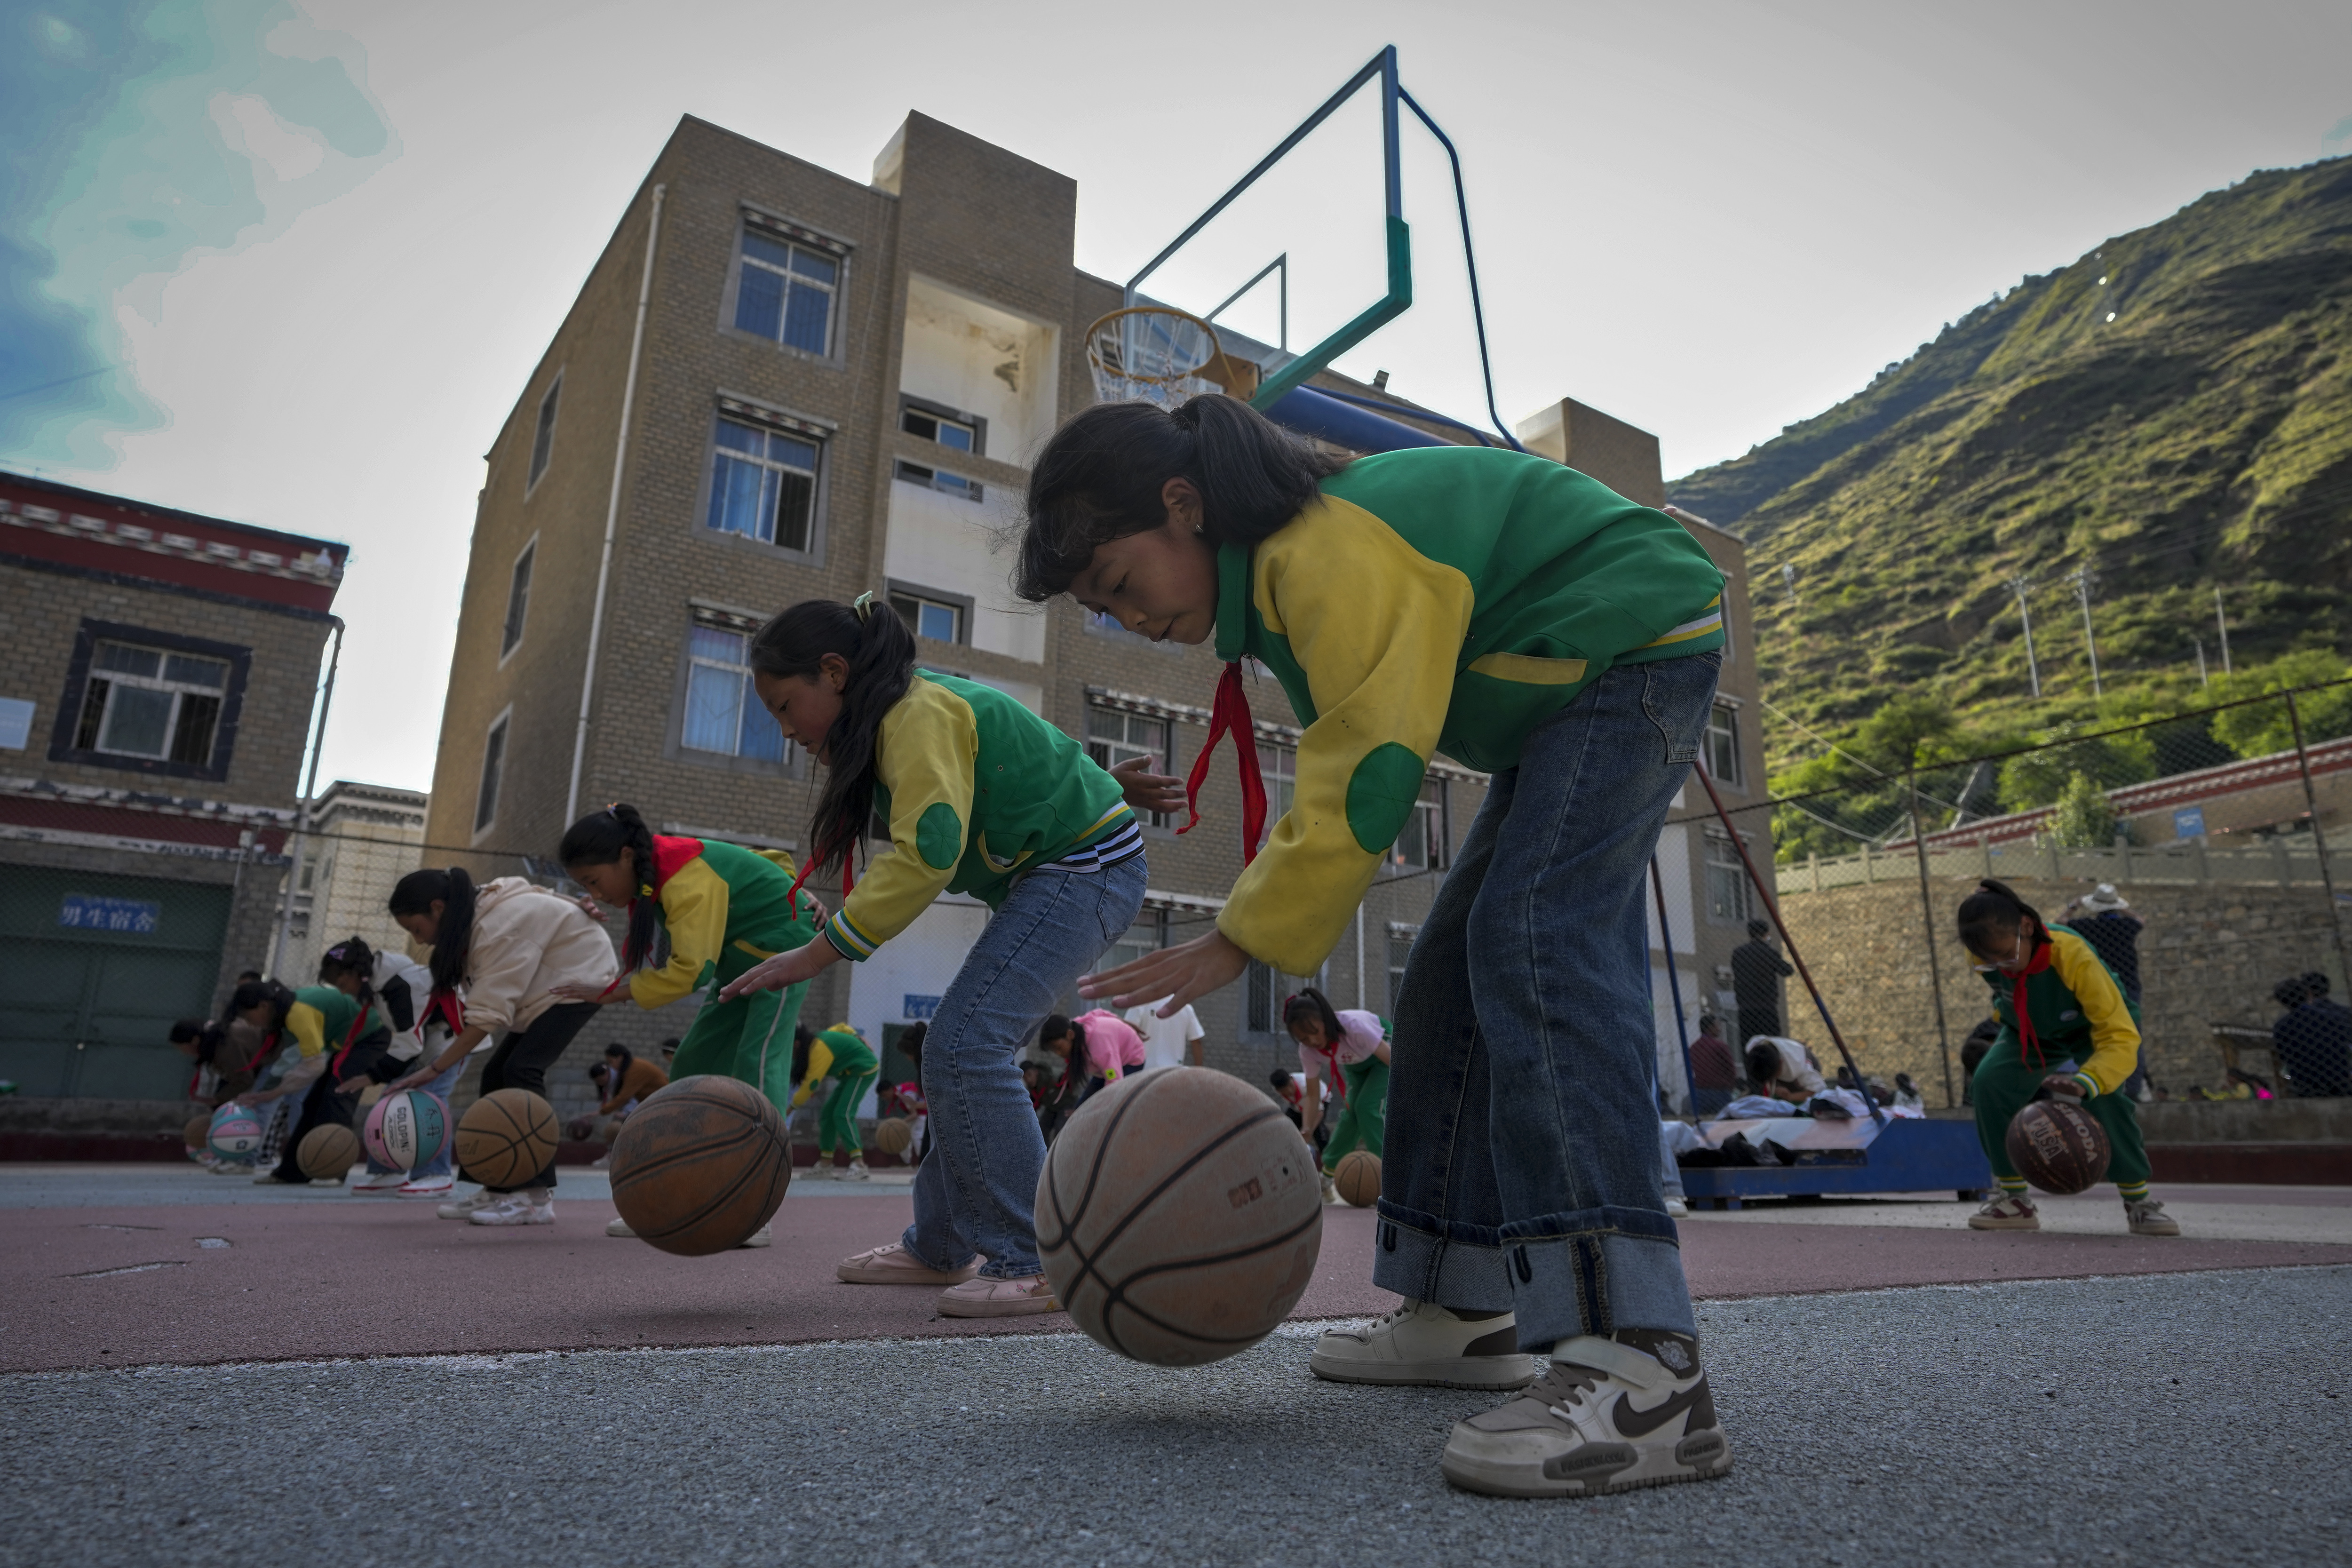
x=2193, y=851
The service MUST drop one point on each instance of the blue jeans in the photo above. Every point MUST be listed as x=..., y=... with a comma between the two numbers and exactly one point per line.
x=441, y=1162
x=1522, y=1170
x=976, y=1191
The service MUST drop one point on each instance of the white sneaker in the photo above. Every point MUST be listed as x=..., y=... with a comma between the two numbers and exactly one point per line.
x=2147, y=1217
x=1330, y=1188
x=601, y=1161
x=619, y=1228
x=426, y=1187
x=534, y=1206
x=856, y=1170
x=2011, y=1211
x=1421, y=1344
x=390, y=1182
x=763, y=1237
x=1606, y=1418
x=1677, y=1209
x=463, y=1208
x=820, y=1172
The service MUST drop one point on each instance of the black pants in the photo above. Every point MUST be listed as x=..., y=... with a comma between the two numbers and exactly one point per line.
x=323, y=1106
x=521, y=1059
x=1753, y=1023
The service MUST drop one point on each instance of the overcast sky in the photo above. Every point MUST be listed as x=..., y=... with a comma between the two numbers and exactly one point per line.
x=289, y=264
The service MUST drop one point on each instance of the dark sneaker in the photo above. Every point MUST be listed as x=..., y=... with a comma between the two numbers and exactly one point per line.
x=2147, y=1217
x=1606, y=1418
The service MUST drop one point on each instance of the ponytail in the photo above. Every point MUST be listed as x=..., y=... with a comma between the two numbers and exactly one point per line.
x=1310, y=1003
x=350, y=956
x=203, y=1034
x=254, y=993
x=453, y=944
x=597, y=839
x=880, y=652
x=804, y=1039
x=1101, y=477
x=1993, y=911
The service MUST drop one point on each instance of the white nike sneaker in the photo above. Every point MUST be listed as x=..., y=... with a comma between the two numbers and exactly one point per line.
x=533, y=1205
x=463, y=1208
x=390, y=1182
x=856, y=1170
x=1606, y=1418
x=820, y=1172
x=1424, y=1344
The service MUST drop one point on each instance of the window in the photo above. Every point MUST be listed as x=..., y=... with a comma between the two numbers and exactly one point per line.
x=939, y=479
x=517, y=598
x=1148, y=936
x=785, y=292
x=1113, y=736
x=928, y=616
x=764, y=485
x=1723, y=744
x=964, y=432
x=1262, y=1009
x=494, y=758
x=542, y=440
x=149, y=702
x=1422, y=847
x=1278, y=766
x=723, y=712
x=1400, y=949
x=1730, y=901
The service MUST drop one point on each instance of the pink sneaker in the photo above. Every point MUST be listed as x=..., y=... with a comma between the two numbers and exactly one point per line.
x=894, y=1264
x=998, y=1299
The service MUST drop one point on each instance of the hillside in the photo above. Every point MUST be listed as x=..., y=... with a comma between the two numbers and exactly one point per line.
x=2174, y=409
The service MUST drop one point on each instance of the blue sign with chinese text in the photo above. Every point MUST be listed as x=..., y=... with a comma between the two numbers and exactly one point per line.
x=89, y=911
x=921, y=1006
x=2188, y=822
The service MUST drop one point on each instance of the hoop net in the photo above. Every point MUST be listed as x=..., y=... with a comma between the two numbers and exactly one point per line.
x=1151, y=353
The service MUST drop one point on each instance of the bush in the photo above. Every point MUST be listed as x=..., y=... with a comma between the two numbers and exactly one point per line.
x=2083, y=819
x=2259, y=729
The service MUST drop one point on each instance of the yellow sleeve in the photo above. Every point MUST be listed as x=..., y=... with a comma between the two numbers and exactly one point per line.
x=694, y=908
x=820, y=1065
x=2115, y=1037
x=308, y=1028
x=1377, y=628
x=925, y=756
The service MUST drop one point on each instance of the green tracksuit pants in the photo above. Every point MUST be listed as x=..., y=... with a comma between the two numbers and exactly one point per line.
x=748, y=1039
x=1363, y=1120
x=2005, y=1082
x=836, y=1124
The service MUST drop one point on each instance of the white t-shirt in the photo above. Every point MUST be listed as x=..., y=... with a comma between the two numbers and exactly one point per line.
x=1164, y=1039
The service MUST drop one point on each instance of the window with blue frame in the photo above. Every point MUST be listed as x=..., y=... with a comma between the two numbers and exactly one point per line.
x=724, y=713
x=784, y=292
x=764, y=485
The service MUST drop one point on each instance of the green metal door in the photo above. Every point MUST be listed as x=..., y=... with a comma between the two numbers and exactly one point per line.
x=93, y=970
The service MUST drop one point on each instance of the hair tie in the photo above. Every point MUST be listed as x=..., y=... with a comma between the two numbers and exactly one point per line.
x=645, y=889
x=863, y=606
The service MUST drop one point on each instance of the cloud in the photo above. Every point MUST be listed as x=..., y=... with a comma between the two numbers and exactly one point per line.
x=145, y=137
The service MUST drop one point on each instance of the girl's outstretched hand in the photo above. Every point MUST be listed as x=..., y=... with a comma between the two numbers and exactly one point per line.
x=1147, y=791
x=1179, y=973
x=784, y=969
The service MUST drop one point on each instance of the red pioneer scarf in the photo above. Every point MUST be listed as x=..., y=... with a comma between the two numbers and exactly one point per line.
x=1232, y=713
x=2026, y=1039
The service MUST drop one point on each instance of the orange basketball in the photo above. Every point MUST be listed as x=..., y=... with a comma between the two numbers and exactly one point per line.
x=2058, y=1146
x=506, y=1138
x=701, y=1166
x=893, y=1134
x=1178, y=1216
x=328, y=1152
x=1359, y=1178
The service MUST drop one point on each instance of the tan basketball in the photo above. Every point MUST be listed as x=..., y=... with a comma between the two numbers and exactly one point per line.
x=506, y=1138
x=701, y=1166
x=893, y=1134
x=198, y=1132
x=1359, y=1178
x=328, y=1152
x=1178, y=1216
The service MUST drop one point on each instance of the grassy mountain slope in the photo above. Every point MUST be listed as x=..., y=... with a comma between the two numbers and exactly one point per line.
x=2174, y=409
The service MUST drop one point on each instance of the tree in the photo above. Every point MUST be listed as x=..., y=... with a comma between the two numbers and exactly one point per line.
x=2083, y=818
x=2259, y=729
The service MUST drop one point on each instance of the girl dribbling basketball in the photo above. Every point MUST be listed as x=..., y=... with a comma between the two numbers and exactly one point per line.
x=982, y=796
x=1527, y=621
x=1350, y=1051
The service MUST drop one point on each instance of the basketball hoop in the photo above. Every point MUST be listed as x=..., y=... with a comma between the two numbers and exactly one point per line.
x=1151, y=353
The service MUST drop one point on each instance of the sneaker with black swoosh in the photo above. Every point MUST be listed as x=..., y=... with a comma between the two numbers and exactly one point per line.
x=1612, y=1415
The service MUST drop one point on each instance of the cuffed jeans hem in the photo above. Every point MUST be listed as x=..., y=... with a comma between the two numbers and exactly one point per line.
x=1462, y=1272
x=1559, y=1286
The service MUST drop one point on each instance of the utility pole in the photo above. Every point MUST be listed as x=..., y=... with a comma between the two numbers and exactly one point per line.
x=2018, y=584
x=2203, y=680
x=1788, y=579
x=2222, y=616
x=2081, y=581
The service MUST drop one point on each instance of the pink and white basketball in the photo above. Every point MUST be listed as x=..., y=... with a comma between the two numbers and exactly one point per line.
x=236, y=1133
x=406, y=1129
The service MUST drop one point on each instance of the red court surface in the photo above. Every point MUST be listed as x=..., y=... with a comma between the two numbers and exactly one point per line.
x=345, y=1276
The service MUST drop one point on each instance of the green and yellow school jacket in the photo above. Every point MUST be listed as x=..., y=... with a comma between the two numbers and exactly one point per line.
x=2073, y=1008
x=976, y=789
x=711, y=896
x=323, y=1019
x=834, y=1053
x=1438, y=599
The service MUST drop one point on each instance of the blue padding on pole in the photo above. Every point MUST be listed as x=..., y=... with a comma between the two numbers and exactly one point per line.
x=1310, y=413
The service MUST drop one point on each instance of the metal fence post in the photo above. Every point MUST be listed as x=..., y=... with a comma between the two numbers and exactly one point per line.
x=2318, y=838
x=1928, y=930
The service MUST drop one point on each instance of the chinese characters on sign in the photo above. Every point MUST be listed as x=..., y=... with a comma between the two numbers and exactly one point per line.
x=89, y=911
x=920, y=1006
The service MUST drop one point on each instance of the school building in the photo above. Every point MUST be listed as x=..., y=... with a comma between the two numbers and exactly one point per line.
x=777, y=383
x=155, y=694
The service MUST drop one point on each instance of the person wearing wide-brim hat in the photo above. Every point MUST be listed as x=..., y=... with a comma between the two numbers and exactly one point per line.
x=2105, y=917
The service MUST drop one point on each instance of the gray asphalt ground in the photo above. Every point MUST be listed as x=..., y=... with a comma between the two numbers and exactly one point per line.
x=2200, y=1419
x=133, y=1184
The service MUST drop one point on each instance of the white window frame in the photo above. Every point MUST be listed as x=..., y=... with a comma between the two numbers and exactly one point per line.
x=939, y=416
x=747, y=698
x=1277, y=766
x=797, y=430
x=924, y=476
x=180, y=689
x=518, y=576
x=1431, y=819
x=1716, y=854
x=791, y=238
x=492, y=779
x=957, y=605
x=1398, y=931
x=542, y=434
x=1108, y=753
x=1722, y=721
